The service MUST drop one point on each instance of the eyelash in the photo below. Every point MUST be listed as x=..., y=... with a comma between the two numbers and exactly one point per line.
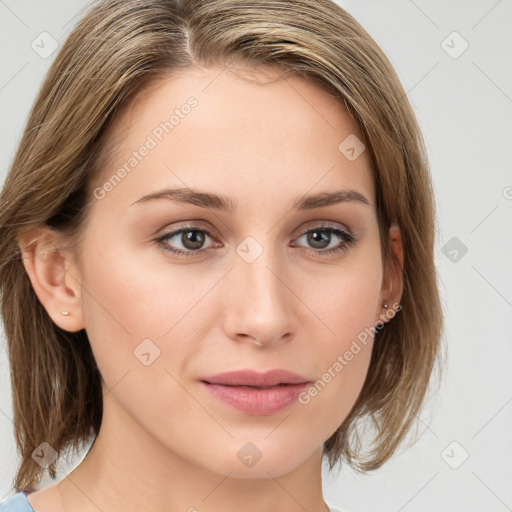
x=348, y=239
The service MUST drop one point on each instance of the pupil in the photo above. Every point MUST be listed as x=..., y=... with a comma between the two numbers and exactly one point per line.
x=191, y=239
x=323, y=237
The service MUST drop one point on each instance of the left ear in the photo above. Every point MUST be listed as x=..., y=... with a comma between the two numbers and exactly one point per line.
x=392, y=282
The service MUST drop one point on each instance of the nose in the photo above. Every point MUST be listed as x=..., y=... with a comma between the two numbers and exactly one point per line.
x=259, y=302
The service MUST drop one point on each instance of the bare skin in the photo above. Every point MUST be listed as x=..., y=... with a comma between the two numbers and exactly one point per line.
x=165, y=443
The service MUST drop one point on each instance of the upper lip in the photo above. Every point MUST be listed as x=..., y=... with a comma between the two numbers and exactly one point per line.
x=253, y=378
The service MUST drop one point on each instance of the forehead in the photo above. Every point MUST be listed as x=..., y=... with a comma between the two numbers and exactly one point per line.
x=237, y=130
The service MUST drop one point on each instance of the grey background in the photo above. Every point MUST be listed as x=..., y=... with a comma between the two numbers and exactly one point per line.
x=464, y=107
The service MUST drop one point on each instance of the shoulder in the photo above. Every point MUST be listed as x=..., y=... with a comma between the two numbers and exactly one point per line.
x=16, y=503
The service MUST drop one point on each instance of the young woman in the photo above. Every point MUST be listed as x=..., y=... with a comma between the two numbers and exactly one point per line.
x=217, y=240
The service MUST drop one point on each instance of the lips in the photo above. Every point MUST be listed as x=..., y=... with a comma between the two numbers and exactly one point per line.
x=256, y=379
x=256, y=393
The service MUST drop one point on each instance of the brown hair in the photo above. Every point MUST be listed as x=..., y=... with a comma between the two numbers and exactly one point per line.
x=118, y=50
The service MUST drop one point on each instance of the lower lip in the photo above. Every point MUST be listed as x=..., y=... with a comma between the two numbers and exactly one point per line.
x=256, y=400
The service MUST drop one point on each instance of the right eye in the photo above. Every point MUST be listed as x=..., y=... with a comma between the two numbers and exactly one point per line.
x=192, y=238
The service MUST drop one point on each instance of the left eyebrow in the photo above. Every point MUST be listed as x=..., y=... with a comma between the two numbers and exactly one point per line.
x=323, y=199
x=227, y=204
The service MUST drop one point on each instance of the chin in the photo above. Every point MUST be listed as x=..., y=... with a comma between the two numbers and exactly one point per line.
x=250, y=462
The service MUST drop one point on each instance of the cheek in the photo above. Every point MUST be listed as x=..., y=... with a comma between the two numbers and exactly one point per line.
x=345, y=306
x=140, y=309
x=345, y=299
x=341, y=368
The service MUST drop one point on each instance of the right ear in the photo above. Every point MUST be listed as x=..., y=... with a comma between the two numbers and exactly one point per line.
x=54, y=277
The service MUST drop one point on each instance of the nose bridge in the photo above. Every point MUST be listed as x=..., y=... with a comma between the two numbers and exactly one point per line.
x=259, y=266
x=259, y=304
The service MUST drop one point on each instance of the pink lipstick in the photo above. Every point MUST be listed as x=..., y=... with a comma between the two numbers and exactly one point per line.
x=256, y=393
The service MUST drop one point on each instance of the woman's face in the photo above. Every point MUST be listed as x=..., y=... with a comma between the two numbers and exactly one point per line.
x=260, y=286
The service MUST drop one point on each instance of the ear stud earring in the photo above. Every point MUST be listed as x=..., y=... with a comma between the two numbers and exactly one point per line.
x=65, y=313
x=385, y=306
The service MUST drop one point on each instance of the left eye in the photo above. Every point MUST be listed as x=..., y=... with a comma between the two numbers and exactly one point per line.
x=193, y=238
x=321, y=237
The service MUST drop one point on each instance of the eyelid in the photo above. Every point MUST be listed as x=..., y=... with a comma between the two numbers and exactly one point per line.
x=319, y=224
x=189, y=224
x=195, y=224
